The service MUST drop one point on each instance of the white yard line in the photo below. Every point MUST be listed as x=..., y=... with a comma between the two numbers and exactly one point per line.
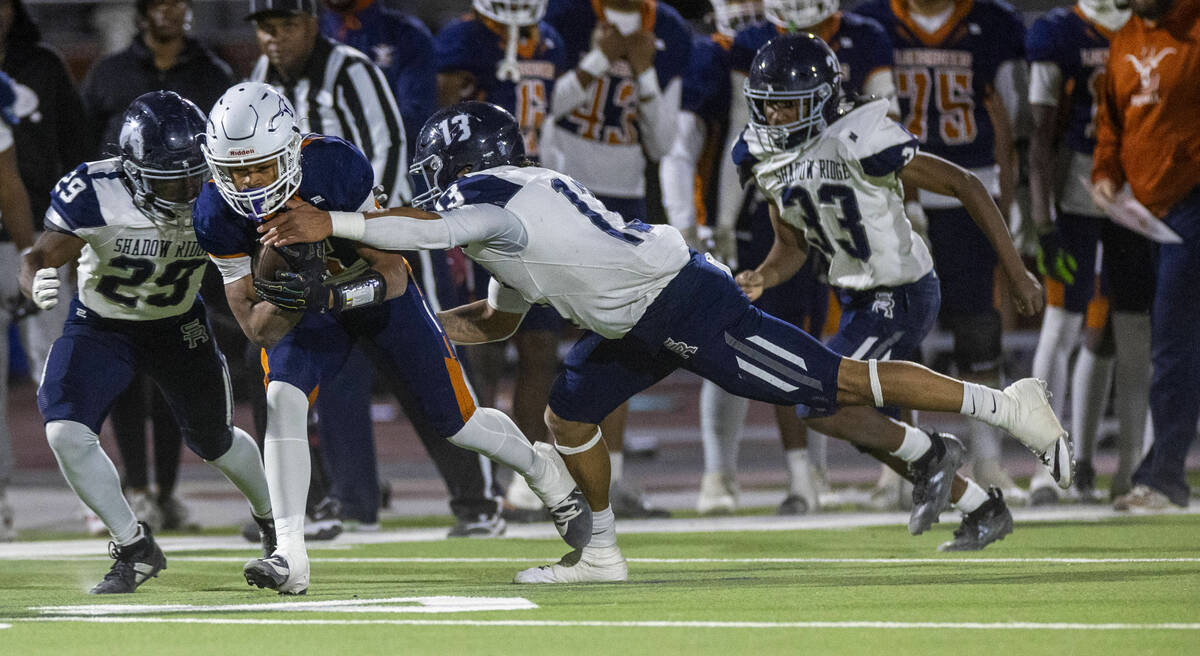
x=689, y=561
x=653, y=624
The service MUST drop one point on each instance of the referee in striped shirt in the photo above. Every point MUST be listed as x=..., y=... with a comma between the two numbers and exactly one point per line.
x=337, y=90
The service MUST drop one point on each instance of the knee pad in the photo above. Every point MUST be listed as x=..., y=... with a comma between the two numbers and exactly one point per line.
x=68, y=438
x=977, y=342
x=208, y=444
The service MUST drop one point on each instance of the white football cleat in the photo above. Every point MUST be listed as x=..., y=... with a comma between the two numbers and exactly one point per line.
x=586, y=565
x=555, y=487
x=1033, y=423
x=718, y=494
x=287, y=575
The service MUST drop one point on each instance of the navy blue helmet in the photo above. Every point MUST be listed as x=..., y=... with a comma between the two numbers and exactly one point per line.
x=160, y=154
x=793, y=71
x=470, y=135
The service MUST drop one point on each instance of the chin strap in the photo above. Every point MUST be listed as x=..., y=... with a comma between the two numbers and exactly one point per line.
x=508, y=71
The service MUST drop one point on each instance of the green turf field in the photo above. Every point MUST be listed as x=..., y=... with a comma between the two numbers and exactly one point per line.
x=1119, y=586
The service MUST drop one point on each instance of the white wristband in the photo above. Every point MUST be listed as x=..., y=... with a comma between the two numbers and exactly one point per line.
x=648, y=88
x=348, y=225
x=595, y=63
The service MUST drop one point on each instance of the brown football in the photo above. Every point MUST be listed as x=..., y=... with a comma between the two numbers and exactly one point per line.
x=268, y=262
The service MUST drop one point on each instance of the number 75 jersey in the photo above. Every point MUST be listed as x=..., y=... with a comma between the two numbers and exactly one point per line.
x=131, y=268
x=842, y=191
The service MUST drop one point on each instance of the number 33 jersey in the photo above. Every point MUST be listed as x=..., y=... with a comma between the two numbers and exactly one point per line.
x=842, y=191
x=131, y=267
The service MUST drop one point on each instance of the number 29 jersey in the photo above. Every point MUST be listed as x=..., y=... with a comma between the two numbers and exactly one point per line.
x=131, y=267
x=843, y=192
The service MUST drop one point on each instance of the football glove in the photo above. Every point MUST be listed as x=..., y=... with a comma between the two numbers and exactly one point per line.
x=307, y=258
x=1053, y=260
x=294, y=291
x=45, y=288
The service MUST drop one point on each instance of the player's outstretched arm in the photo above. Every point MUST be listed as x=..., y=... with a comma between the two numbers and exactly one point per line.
x=262, y=322
x=303, y=223
x=39, y=266
x=943, y=177
x=478, y=323
x=787, y=255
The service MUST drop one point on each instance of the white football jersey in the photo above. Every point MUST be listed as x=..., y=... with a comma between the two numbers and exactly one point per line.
x=585, y=261
x=131, y=268
x=843, y=192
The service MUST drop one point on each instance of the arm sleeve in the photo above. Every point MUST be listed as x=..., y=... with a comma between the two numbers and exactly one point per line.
x=506, y=299
x=882, y=84
x=658, y=115
x=1011, y=76
x=732, y=195
x=678, y=170
x=568, y=94
x=470, y=224
x=1045, y=83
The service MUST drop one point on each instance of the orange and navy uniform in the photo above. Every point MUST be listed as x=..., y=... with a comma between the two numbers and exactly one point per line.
x=1147, y=132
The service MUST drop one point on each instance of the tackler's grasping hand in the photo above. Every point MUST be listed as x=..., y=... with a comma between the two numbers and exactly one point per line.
x=299, y=222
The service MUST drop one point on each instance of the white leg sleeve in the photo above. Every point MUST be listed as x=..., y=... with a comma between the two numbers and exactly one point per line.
x=1060, y=331
x=1089, y=394
x=492, y=433
x=286, y=459
x=93, y=477
x=242, y=464
x=722, y=417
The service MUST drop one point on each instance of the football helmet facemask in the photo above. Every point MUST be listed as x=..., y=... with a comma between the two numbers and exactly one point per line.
x=733, y=16
x=512, y=12
x=798, y=14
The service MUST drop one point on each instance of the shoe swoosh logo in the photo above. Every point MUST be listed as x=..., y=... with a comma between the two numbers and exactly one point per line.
x=993, y=405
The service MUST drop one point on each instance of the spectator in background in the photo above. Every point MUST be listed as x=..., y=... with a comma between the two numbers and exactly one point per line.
x=504, y=53
x=50, y=138
x=161, y=57
x=337, y=91
x=1147, y=135
x=614, y=112
x=17, y=235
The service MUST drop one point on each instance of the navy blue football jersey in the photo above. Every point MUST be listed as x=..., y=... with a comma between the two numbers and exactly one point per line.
x=943, y=79
x=1079, y=47
x=471, y=44
x=861, y=45
x=611, y=117
x=336, y=177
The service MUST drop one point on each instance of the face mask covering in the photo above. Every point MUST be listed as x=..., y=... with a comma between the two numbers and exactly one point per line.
x=1112, y=20
x=626, y=22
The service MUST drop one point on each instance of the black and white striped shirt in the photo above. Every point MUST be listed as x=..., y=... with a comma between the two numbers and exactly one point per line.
x=343, y=94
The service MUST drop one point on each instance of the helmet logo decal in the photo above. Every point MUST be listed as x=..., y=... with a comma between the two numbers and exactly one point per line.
x=284, y=109
x=462, y=122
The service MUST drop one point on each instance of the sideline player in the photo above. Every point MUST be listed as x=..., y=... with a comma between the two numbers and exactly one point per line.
x=338, y=293
x=128, y=220
x=1068, y=51
x=650, y=306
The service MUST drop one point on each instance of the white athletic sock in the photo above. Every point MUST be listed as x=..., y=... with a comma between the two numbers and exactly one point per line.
x=604, y=529
x=916, y=443
x=974, y=497
x=616, y=464
x=93, y=477
x=984, y=403
x=491, y=433
x=722, y=419
x=242, y=464
x=1089, y=396
x=797, y=466
x=1060, y=331
x=818, y=450
x=1132, y=333
x=287, y=462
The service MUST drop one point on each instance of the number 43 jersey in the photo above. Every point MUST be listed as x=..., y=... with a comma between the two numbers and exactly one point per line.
x=131, y=267
x=842, y=191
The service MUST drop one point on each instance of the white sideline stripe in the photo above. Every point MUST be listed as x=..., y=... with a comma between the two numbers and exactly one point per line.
x=92, y=547
x=778, y=351
x=684, y=561
x=760, y=373
x=439, y=604
x=651, y=624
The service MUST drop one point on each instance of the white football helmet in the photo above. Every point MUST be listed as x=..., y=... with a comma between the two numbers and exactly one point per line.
x=512, y=12
x=251, y=124
x=1112, y=14
x=796, y=14
x=733, y=16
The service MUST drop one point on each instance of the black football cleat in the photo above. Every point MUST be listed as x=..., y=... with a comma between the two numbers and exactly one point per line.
x=134, y=565
x=266, y=534
x=932, y=477
x=987, y=524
